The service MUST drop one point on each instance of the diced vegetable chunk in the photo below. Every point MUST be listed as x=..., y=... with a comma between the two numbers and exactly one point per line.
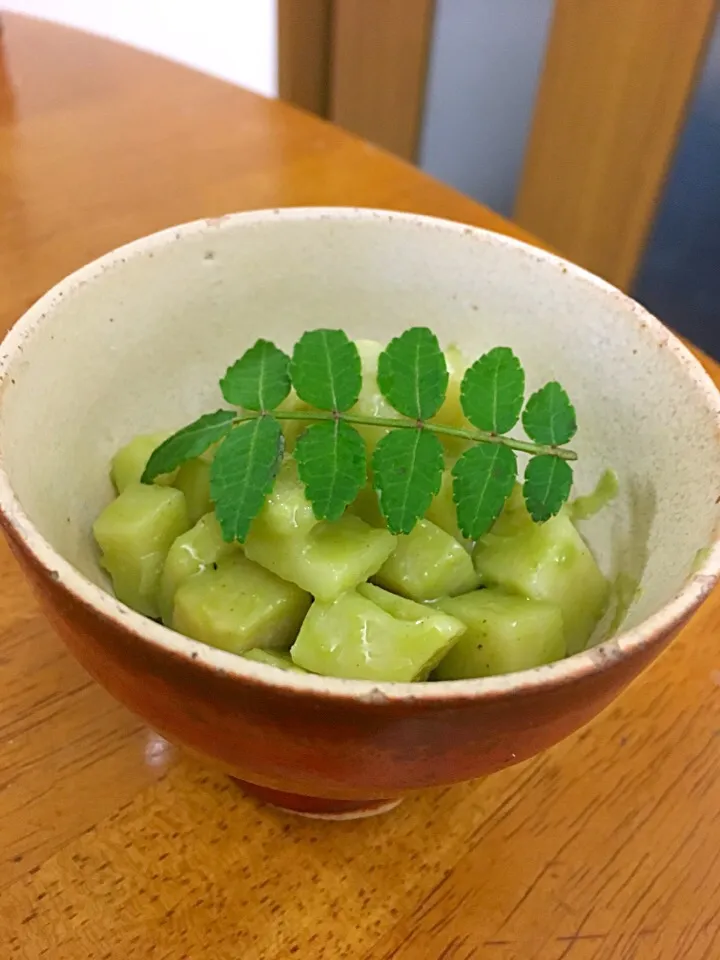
x=548, y=561
x=134, y=533
x=399, y=607
x=274, y=658
x=129, y=462
x=403, y=609
x=428, y=563
x=371, y=403
x=367, y=507
x=442, y=511
x=326, y=560
x=354, y=637
x=287, y=510
x=505, y=633
x=191, y=553
x=293, y=428
x=450, y=413
x=239, y=606
x=321, y=557
x=193, y=478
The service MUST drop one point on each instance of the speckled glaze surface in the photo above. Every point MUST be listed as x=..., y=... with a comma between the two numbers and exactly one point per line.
x=137, y=341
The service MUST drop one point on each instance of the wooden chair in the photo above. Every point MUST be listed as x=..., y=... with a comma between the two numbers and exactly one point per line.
x=611, y=101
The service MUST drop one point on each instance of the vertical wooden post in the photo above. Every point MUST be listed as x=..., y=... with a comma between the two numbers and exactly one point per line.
x=304, y=53
x=379, y=65
x=612, y=98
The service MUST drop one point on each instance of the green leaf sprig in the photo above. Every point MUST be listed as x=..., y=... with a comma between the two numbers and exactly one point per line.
x=325, y=371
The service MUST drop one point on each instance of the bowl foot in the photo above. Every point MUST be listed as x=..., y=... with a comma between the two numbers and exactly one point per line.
x=318, y=808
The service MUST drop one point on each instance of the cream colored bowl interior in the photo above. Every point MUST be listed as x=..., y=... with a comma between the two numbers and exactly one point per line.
x=137, y=341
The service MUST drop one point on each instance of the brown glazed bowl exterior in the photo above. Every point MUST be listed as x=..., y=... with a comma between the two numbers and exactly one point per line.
x=322, y=746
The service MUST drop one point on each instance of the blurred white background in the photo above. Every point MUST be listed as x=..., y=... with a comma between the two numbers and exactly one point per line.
x=232, y=39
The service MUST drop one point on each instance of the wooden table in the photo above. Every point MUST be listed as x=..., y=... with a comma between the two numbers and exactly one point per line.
x=113, y=845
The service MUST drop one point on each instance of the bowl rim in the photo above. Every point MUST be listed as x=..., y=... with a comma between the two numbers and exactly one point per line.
x=64, y=575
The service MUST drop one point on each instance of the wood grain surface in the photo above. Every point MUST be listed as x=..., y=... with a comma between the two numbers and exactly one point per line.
x=379, y=61
x=113, y=846
x=612, y=101
x=304, y=49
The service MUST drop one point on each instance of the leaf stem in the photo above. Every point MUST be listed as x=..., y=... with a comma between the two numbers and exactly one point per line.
x=397, y=423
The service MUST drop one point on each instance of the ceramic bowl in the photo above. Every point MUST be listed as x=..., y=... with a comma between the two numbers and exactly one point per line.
x=136, y=342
